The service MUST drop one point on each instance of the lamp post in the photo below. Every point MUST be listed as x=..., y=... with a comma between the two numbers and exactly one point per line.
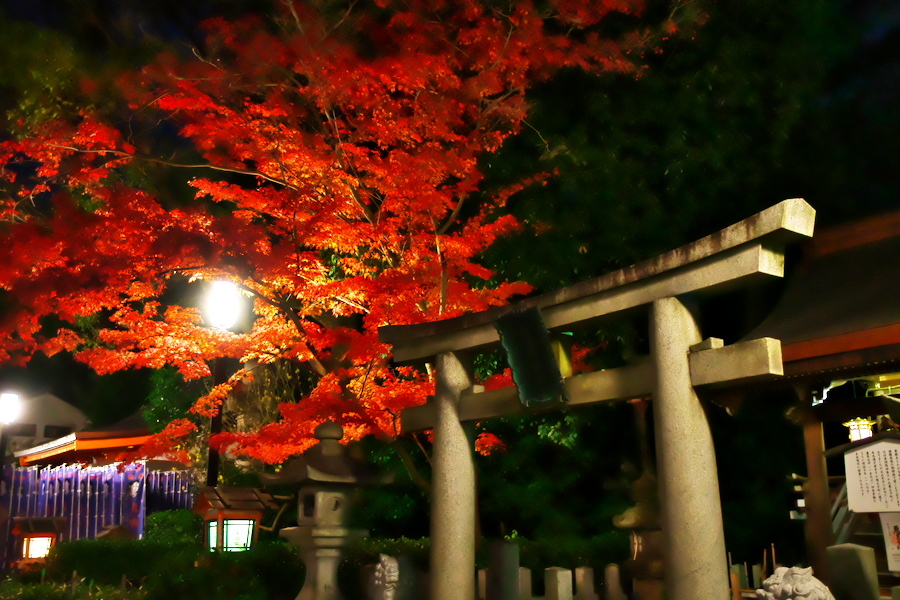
x=10, y=407
x=221, y=309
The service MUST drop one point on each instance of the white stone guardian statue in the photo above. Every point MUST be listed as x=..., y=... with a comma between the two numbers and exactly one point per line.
x=387, y=576
x=793, y=583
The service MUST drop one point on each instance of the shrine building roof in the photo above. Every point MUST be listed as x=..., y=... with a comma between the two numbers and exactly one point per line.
x=83, y=447
x=839, y=315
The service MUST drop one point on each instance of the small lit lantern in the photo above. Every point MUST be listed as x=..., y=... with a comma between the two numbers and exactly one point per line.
x=860, y=428
x=231, y=532
x=231, y=516
x=36, y=535
x=37, y=546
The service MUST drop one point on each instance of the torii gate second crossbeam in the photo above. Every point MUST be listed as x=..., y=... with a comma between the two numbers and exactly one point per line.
x=696, y=565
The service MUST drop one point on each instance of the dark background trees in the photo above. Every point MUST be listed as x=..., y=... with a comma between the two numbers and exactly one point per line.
x=767, y=100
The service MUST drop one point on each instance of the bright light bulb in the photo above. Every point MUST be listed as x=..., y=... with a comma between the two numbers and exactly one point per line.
x=223, y=305
x=10, y=406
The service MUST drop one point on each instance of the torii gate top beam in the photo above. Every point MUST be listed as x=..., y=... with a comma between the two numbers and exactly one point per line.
x=746, y=250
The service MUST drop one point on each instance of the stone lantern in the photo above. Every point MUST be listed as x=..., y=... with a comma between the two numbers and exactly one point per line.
x=646, y=564
x=326, y=476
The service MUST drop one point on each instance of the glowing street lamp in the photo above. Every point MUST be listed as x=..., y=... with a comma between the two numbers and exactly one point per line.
x=223, y=305
x=222, y=309
x=10, y=407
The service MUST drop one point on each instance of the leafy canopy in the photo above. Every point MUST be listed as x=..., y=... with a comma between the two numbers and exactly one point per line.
x=336, y=158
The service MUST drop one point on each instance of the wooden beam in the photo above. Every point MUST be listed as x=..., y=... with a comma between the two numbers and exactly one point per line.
x=845, y=342
x=716, y=366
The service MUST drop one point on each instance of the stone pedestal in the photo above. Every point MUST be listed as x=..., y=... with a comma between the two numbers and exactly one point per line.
x=854, y=575
x=612, y=583
x=650, y=589
x=321, y=549
x=584, y=584
x=558, y=584
x=503, y=571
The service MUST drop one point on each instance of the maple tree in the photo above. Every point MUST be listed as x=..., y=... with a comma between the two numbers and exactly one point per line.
x=336, y=157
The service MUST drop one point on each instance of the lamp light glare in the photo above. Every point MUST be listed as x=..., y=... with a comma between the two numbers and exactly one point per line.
x=223, y=305
x=10, y=406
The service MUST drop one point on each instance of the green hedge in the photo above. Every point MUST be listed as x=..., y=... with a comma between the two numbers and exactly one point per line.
x=11, y=589
x=270, y=571
x=174, y=527
x=170, y=562
x=106, y=561
x=365, y=552
x=537, y=555
x=571, y=552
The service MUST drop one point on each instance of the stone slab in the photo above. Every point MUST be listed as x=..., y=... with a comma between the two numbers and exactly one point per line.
x=741, y=362
x=750, y=248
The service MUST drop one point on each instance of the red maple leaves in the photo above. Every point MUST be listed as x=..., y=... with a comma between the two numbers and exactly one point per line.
x=337, y=163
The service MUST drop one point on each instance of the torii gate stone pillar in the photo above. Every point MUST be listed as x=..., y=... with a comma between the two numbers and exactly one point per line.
x=696, y=565
x=685, y=462
x=452, y=486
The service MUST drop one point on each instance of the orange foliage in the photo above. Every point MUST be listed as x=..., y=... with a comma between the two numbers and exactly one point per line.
x=487, y=443
x=336, y=157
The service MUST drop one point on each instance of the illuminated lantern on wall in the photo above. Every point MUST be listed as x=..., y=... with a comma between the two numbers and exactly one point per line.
x=35, y=536
x=231, y=516
x=860, y=428
x=37, y=546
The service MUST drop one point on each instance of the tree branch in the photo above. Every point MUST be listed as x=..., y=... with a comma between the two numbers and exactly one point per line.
x=414, y=473
x=314, y=363
x=443, y=228
x=339, y=156
x=168, y=163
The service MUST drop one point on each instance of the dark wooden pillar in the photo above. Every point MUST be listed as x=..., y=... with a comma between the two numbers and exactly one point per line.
x=819, y=533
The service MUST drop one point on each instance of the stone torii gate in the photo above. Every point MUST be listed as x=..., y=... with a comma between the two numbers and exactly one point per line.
x=680, y=361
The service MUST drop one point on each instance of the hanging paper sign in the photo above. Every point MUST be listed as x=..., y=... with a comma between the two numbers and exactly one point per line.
x=873, y=477
x=890, y=528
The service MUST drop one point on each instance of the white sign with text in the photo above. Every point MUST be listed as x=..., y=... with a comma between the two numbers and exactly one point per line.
x=873, y=477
